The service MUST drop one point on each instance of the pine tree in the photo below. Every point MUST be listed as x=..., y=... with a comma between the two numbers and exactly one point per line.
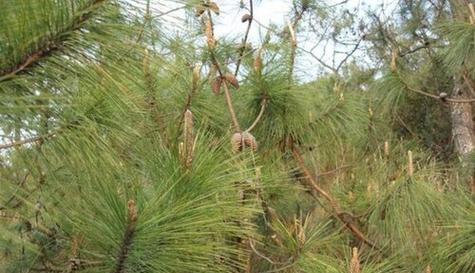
x=129, y=147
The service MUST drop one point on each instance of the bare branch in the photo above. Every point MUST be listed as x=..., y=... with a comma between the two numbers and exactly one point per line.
x=325, y=65
x=259, y=116
x=349, y=55
x=244, y=41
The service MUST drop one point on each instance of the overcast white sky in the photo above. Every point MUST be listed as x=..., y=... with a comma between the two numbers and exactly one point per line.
x=266, y=12
x=275, y=11
x=228, y=24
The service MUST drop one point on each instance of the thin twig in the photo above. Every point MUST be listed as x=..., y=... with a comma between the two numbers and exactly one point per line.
x=335, y=170
x=338, y=4
x=319, y=60
x=259, y=116
x=331, y=68
x=264, y=26
x=293, y=41
x=299, y=17
x=258, y=253
x=244, y=41
x=26, y=141
x=349, y=54
x=413, y=50
x=438, y=97
x=168, y=12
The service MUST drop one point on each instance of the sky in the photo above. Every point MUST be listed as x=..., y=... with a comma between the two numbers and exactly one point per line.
x=274, y=11
x=228, y=24
x=266, y=12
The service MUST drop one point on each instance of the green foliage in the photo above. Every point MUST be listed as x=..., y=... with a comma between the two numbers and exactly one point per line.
x=285, y=115
x=461, y=35
x=115, y=151
x=456, y=253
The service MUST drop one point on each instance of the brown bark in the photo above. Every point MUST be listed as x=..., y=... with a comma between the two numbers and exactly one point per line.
x=463, y=130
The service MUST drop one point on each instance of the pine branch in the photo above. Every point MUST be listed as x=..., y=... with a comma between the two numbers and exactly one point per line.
x=441, y=97
x=51, y=45
x=211, y=43
x=244, y=41
x=128, y=237
x=36, y=139
x=339, y=214
x=229, y=102
x=31, y=59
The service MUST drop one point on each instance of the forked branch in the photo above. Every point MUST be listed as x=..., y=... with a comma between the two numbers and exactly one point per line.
x=338, y=213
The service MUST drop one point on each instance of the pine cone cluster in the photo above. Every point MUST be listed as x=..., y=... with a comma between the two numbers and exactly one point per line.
x=241, y=140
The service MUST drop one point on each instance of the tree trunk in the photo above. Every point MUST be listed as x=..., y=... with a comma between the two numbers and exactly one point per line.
x=463, y=130
x=462, y=122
